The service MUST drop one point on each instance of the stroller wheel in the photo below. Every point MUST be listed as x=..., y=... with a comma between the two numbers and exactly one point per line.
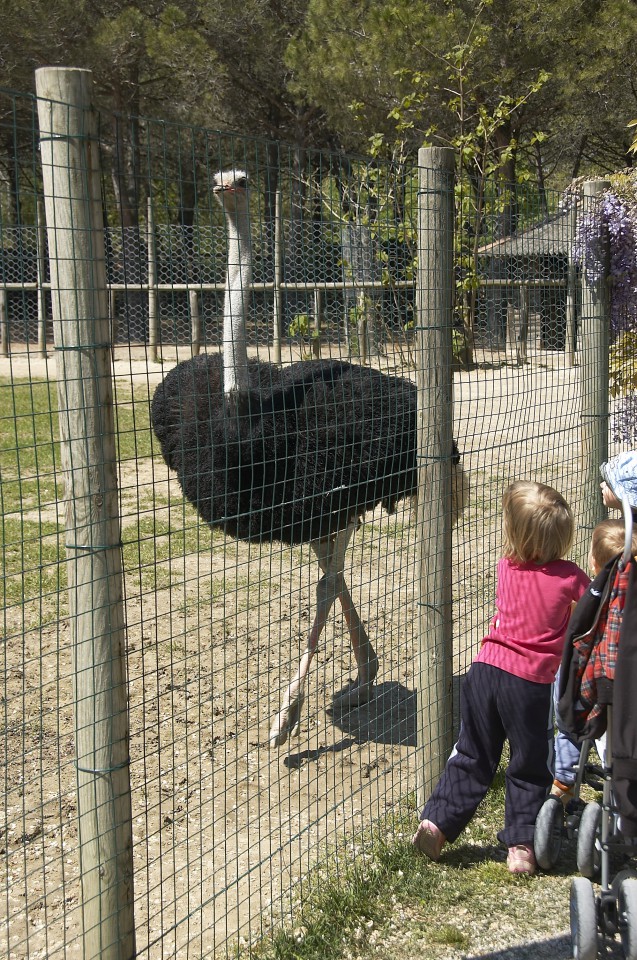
x=588, y=846
x=627, y=919
x=547, y=839
x=583, y=920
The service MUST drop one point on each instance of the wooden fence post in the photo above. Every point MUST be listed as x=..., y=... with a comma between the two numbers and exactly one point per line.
x=594, y=341
x=434, y=320
x=70, y=170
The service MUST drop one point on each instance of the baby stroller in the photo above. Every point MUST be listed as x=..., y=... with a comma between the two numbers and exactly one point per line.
x=598, y=681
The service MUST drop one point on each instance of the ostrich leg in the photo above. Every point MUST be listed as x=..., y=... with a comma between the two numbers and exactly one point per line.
x=331, y=556
x=364, y=654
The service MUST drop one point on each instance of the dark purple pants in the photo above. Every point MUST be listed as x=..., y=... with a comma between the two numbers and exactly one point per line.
x=496, y=706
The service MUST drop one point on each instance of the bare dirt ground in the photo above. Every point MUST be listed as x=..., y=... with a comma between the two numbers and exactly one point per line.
x=224, y=828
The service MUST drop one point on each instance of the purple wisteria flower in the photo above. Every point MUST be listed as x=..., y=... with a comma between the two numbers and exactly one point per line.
x=624, y=420
x=612, y=226
x=613, y=222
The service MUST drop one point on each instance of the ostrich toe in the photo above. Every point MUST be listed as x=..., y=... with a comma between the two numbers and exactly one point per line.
x=354, y=695
x=287, y=722
x=360, y=690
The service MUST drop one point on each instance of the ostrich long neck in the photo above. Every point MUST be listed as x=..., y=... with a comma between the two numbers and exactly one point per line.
x=235, y=354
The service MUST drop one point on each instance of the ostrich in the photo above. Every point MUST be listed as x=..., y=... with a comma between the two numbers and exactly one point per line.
x=295, y=454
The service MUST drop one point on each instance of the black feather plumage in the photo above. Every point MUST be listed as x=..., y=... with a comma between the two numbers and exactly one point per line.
x=306, y=450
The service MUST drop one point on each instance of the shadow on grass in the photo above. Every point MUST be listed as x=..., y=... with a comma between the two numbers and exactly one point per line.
x=555, y=948
x=466, y=856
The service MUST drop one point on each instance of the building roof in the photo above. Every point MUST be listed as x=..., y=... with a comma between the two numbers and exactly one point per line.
x=551, y=236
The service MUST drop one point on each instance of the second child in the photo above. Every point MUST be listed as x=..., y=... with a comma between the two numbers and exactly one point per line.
x=607, y=542
x=506, y=694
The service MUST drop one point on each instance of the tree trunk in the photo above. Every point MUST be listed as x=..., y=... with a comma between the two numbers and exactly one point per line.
x=509, y=217
x=126, y=171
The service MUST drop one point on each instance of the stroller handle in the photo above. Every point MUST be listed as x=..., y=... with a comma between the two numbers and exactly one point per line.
x=628, y=528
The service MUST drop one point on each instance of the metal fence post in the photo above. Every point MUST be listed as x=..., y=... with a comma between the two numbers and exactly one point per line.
x=594, y=345
x=70, y=169
x=434, y=317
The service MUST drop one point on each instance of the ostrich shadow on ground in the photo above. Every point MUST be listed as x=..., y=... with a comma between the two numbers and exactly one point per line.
x=295, y=761
x=390, y=715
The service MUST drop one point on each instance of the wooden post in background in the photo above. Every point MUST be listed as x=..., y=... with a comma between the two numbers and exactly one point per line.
x=4, y=324
x=71, y=178
x=153, y=294
x=434, y=321
x=41, y=275
x=571, y=290
x=277, y=334
x=195, y=322
x=594, y=372
x=318, y=322
x=112, y=316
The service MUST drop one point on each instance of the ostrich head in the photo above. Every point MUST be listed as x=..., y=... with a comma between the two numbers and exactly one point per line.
x=230, y=188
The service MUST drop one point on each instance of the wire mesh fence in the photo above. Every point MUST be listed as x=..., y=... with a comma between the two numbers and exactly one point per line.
x=226, y=833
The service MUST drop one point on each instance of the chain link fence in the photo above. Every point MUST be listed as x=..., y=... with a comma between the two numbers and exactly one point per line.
x=224, y=833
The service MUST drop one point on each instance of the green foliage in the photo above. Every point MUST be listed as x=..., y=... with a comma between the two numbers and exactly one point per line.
x=302, y=326
x=346, y=73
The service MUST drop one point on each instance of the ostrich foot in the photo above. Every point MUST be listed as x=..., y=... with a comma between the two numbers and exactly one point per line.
x=353, y=695
x=288, y=720
x=360, y=690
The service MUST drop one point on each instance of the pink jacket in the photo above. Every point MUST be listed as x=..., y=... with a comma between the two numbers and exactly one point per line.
x=533, y=604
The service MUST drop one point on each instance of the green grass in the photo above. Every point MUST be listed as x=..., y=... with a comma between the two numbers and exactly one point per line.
x=30, y=461
x=33, y=491
x=132, y=426
x=30, y=464
x=393, y=902
x=343, y=903
x=449, y=935
x=32, y=495
x=30, y=556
